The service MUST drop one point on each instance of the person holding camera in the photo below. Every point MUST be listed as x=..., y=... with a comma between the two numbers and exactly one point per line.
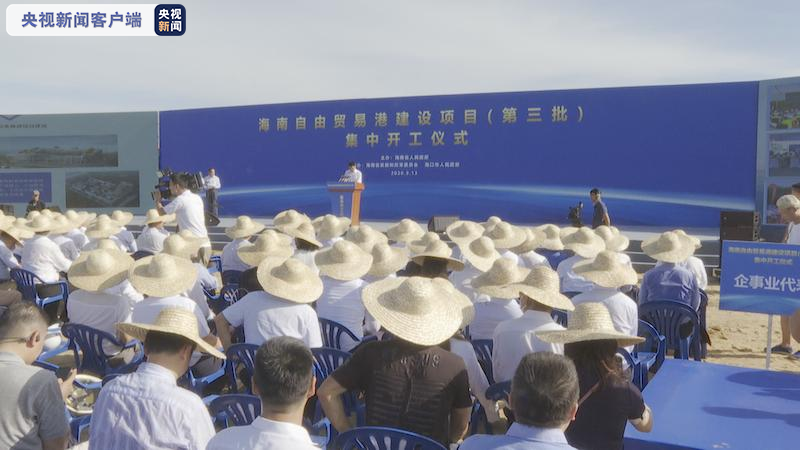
x=188, y=209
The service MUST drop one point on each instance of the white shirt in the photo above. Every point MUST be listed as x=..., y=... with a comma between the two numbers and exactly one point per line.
x=67, y=246
x=793, y=235
x=341, y=302
x=146, y=311
x=127, y=239
x=697, y=268
x=489, y=314
x=330, y=242
x=462, y=280
x=263, y=434
x=623, y=310
x=7, y=262
x=478, y=383
x=190, y=212
x=532, y=259
x=307, y=257
x=515, y=338
x=570, y=282
x=146, y=409
x=100, y=310
x=265, y=316
x=78, y=237
x=508, y=254
x=151, y=239
x=44, y=258
x=211, y=182
x=204, y=279
x=230, y=256
x=353, y=176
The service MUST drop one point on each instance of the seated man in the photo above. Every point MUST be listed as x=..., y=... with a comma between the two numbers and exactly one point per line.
x=410, y=382
x=240, y=233
x=281, y=309
x=151, y=239
x=668, y=280
x=43, y=257
x=31, y=399
x=10, y=237
x=147, y=409
x=585, y=245
x=544, y=398
x=284, y=380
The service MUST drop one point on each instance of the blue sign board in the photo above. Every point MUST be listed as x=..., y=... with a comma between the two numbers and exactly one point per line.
x=18, y=187
x=760, y=277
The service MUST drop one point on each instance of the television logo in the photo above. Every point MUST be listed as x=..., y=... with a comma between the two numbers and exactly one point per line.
x=170, y=20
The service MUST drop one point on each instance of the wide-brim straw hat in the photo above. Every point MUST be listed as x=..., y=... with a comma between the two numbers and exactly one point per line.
x=41, y=224
x=543, y=286
x=99, y=269
x=439, y=250
x=162, y=275
x=330, y=226
x=533, y=239
x=464, y=231
x=504, y=235
x=289, y=219
x=176, y=321
x=590, y=321
x=606, y=270
x=122, y=217
x=419, y=245
x=21, y=225
x=103, y=227
x=498, y=281
x=62, y=225
x=153, y=216
x=567, y=231
x=18, y=234
x=243, y=228
x=552, y=238
x=669, y=247
x=284, y=239
x=266, y=246
x=491, y=222
x=291, y=280
x=365, y=237
x=406, y=230
x=344, y=261
x=615, y=241
x=480, y=252
x=584, y=243
x=304, y=231
x=419, y=310
x=695, y=241
x=387, y=260
x=179, y=247
x=79, y=218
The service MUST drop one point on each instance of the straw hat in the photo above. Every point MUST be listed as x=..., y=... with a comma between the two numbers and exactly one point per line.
x=18, y=234
x=419, y=245
x=177, y=321
x=285, y=240
x=291, y=280
x=504, y=235
x=289, y=219
x=79, y=218
x=567, y=231
x=591, y=321
x=533, y=238
x=40, y=224
x=606, y=270
x=464, y=231
x=584, y=243
x=387, y=260
x=121, y=217
x=304, y=231
x=244, y=228
x=420, y=310
x=543, y=286
x=480, y=253
x=668, y=247
x=614, y=240
x=266, y=246
x=99, y=269
x=5, y=220
x=344, y=261
x=495, y=281
x=491, y=222
x=102, y=227
x=162, y=275
x=179, y=247
x=330, y=226
x=552, y=238
x=406, y=230
x=152, y=216
x=695, y=241
x=62, y=225
x=439, y=249
x=365, y=237
x=108, y=244
x=46, y=213
x=21, y=226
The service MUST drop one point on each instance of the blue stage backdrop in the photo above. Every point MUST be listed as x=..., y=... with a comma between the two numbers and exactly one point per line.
x=664, y=156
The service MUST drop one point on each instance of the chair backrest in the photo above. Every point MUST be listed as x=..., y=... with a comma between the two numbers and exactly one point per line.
x=217, y=263
x=631, y=365
x=483, y=351
x=382, y=438
x=241, y=355
x=666, y=316
x=651, y=338
x=232, y=293
x=87, y=345
x=560, y=316
x=26, y=283
x=326, y=361
x=139, y=254
x=231, y=276
x=332, y=333
x=239, y=409
x=499, y=391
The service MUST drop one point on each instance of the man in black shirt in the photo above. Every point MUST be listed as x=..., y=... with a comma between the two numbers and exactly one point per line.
x=35, y=204
x=600, y=216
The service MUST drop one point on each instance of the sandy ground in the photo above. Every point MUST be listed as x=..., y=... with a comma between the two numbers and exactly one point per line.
x=739, y=339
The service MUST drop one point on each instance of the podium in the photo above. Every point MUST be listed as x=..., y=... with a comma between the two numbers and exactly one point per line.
x=346, y=200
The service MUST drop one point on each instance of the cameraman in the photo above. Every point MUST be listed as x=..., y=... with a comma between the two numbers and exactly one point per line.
x=188, y=208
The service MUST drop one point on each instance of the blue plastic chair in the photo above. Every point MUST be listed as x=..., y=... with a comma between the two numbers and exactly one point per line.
x=241, y=356
x=499, y=391
x=666, y=316
x=230, y=276
x=139, y=254
x=235, y=409
x=650, y=353
x=560, y=316
x=332, y=333
x=326, y=361
x=483, y=351
x=228, y=295
x=636, y=368
x=217, y=264
x=26, y=285
x=77, y=425
x=382, y=438
x=199, y=384
x=87, y=346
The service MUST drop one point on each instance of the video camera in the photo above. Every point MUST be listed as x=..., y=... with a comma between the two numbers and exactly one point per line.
x=193, y=180
x=575, y=214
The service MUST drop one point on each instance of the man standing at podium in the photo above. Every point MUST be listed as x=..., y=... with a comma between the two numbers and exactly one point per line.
x=352, y=175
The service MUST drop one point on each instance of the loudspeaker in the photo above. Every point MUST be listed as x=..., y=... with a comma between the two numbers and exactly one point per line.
x=211, y=220
x=438, y=224
x=739, y=225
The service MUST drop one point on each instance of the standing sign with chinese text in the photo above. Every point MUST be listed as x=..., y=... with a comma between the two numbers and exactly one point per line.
x=663, y=156
x=760, y=277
